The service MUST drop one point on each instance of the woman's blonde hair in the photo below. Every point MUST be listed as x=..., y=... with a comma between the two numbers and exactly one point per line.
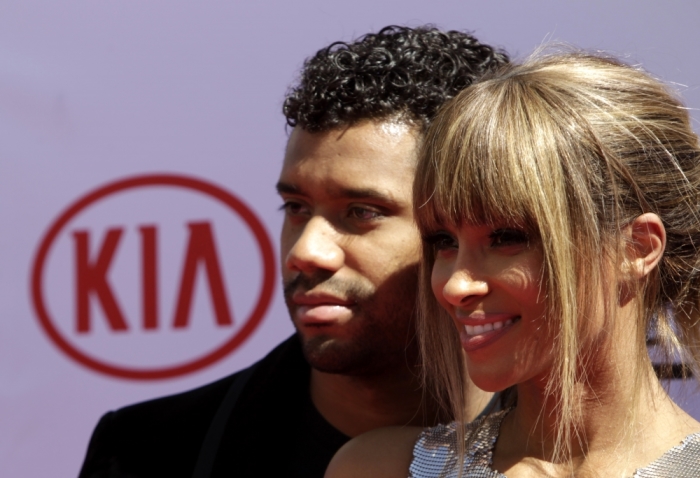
x=571, y=146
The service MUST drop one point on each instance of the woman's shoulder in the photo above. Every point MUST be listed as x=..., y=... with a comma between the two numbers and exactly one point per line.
x=393, y=452
x=382, y=453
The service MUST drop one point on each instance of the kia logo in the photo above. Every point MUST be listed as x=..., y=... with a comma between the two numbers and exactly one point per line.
x=153, y=277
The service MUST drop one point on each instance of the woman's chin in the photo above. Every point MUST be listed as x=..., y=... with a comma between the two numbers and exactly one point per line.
x=491, y=383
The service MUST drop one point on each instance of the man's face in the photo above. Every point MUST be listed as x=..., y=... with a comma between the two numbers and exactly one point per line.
x=350, y=249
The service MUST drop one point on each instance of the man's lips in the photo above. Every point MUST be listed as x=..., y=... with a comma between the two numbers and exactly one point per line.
x=318, y=309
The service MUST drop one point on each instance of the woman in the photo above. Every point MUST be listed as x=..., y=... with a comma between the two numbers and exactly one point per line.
x=559, y=201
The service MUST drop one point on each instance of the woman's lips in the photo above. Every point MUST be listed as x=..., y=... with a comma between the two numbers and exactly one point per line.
x=487, y=327
x=479, y=330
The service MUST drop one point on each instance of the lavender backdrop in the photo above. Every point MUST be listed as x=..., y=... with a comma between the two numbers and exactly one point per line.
x=94, y=92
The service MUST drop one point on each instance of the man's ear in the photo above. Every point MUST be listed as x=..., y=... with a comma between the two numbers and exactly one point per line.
x=647, y=241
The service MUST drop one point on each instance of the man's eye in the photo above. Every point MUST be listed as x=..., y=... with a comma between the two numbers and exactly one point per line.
x=441, y=241
x=363, y=214
x=508, y=237
x=293, y=208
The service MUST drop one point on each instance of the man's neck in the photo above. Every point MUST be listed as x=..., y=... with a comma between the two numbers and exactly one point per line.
x=355, y=405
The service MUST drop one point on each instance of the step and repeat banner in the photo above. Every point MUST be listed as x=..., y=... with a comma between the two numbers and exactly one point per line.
x=140, y=143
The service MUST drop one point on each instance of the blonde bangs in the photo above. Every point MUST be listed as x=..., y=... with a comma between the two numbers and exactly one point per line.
x=484, y=163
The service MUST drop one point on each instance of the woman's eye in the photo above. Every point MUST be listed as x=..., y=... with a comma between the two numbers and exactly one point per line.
x=508, y=237
x=441, y=241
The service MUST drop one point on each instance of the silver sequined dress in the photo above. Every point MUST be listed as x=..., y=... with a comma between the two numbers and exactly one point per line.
x=435, y=453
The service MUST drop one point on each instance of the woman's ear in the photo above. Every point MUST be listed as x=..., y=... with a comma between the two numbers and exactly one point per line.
x=646, y=243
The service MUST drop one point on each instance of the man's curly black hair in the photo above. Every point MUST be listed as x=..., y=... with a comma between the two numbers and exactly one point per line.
x=400, y=71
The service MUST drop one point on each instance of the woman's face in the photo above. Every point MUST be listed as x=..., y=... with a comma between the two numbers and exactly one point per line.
x=489, y=279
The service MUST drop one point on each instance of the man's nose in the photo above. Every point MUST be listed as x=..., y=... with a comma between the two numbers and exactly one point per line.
x=316, y=248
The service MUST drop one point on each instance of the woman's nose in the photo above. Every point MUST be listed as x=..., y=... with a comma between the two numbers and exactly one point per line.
x=462, y=286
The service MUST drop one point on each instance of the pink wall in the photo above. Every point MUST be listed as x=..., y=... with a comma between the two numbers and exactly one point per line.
x=95, y=92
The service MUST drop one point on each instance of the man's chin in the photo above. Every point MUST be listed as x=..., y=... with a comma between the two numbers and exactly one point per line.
x=337, y=356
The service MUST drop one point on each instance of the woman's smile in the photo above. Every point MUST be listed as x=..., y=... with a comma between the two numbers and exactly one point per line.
x=479, y=329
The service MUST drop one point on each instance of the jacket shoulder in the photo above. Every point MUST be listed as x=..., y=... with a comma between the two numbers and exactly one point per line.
x=163, y=436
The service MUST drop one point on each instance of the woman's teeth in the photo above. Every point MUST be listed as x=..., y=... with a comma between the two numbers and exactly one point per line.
x=480, y=329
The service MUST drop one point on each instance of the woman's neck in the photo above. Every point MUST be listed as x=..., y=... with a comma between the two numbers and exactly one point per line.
x=625, y=421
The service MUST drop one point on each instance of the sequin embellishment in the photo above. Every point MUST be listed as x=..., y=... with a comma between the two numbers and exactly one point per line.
x=435, y=453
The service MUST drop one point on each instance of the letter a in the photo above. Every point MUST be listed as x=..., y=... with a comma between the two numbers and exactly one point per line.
x=201, y=248
x=91, y=277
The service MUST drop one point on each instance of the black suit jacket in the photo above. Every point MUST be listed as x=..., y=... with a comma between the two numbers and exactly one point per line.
x=163, y=437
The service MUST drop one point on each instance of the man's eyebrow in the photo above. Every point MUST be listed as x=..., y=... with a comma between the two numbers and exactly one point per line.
x=346, y=193
x=365, y=193
x=285, y=188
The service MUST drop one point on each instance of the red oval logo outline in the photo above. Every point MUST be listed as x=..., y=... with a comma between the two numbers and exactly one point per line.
x=256, y=316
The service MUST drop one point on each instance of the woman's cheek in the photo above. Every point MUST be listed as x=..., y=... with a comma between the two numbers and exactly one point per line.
x=439, y=277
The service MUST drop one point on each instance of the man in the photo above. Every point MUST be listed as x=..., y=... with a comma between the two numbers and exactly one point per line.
x=350, y=253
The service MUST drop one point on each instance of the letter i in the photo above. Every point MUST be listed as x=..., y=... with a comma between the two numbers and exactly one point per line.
x=149, y=276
